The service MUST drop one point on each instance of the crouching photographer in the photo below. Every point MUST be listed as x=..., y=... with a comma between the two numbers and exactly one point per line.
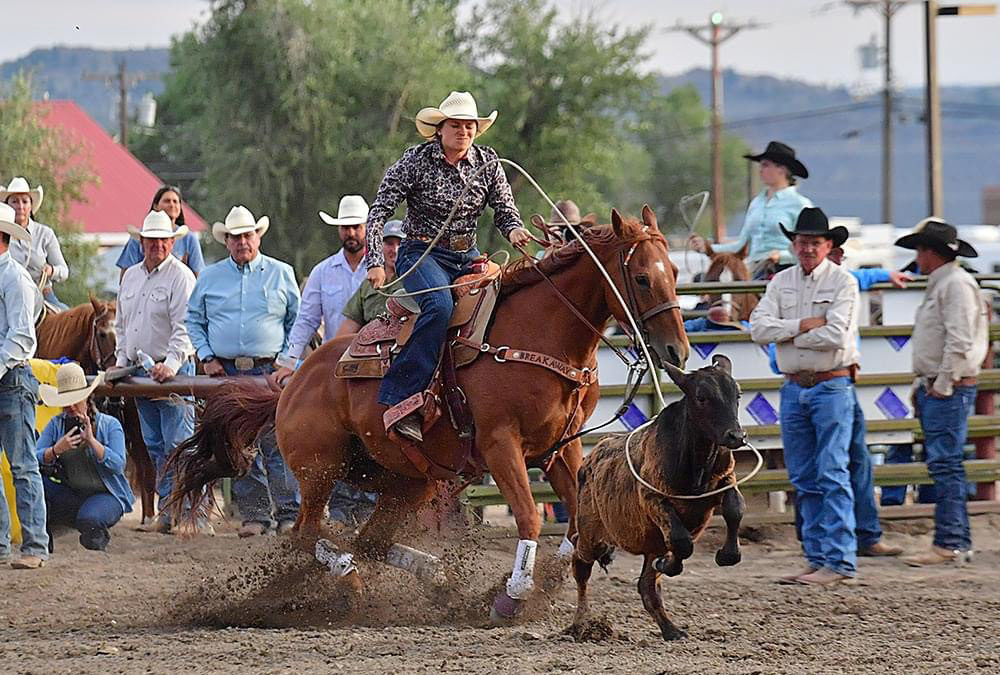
x=81, y=453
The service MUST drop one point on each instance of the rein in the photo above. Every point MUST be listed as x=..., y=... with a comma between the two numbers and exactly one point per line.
x=644, y=483
x=103, y=361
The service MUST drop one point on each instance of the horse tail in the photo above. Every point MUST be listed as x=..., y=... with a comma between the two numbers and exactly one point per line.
x=223, y=445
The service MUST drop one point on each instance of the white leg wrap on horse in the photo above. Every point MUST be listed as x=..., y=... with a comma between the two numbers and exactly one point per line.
x=565, y=549
x=340, y=564
x=520, y=583
x=421, y=565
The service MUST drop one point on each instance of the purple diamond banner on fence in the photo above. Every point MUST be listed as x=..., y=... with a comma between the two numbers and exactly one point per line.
x=704, y=348
x=897, y=341
x=634, y=417
x=762, y=411
x=891, y=406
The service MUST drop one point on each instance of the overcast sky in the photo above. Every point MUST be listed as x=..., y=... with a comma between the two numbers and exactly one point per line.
x=812, y=40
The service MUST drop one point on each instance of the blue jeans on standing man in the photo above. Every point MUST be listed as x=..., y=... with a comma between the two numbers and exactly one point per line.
x=92, y=515
x=18, y=394
x=816, y=431
x=165, y=423
x=945, y=423
x=269, y=480
x=412, y=370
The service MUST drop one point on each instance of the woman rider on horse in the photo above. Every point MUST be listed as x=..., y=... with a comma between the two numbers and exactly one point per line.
x=431, y=177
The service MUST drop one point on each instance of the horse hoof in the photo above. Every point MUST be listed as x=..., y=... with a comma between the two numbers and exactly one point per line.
x=724, y=558
x=668, y=565
x=672, y=633
x=504, y=610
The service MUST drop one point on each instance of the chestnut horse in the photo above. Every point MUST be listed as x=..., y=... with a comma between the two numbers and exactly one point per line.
x=331, y=429
x=86, y=334
x=731, y=267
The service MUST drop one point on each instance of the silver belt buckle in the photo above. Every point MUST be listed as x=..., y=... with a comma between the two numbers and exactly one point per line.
x=807, y=378
x=461, y=243
x=243, y=363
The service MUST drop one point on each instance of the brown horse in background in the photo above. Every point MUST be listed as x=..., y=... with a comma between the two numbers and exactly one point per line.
x=731, y=267
x=86, y=334
x=331, y=429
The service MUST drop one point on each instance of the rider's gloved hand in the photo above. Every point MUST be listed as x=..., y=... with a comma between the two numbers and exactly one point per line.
x=519, y=236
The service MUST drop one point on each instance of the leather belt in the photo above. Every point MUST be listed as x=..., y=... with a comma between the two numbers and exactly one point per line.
x=970, y=381
x=459, y=243
x=809, y=378
x=247, y=363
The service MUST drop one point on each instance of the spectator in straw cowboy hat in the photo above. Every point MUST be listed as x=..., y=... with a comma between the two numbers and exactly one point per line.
x=82, y=453
x=778, y=202
x=18, y=392
x=950, y=341
x=40, y=254
x=152, y=306
x=240, y=317
x=331, y=284
x=430, y=177
x=811, y=312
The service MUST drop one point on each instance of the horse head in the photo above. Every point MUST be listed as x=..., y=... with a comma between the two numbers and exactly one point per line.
x=712, y=399
x=104, y=340
x=730, y=267
x=647, y=280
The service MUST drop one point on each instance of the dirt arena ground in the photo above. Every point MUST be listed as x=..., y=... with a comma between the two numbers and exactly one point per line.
x=164, y=604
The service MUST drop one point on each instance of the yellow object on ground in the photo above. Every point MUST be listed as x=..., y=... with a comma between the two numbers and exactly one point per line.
x=45, y=373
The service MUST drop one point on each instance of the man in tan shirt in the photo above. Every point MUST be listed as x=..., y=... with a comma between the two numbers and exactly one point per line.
x=811, y=312
x=950, y=341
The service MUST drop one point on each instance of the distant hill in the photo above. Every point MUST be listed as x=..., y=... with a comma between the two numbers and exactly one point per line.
x=838, y=137
x=59, y=72
x=840, y=140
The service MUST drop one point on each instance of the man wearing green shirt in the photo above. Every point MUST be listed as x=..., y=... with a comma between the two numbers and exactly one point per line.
x=367, y=302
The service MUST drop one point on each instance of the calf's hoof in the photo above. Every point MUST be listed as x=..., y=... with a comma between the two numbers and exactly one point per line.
x=672, y=633
x=505, y=609
x=682, y=548
x=724, y=558
x=669, y=565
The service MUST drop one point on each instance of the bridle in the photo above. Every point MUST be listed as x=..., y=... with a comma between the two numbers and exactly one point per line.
x=633, y=305
x=103, y=361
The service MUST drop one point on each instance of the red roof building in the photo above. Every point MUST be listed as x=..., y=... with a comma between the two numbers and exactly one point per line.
x=121, y=195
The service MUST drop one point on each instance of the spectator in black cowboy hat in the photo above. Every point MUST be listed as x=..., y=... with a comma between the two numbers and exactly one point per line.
x=779, y=202
x=950, y=341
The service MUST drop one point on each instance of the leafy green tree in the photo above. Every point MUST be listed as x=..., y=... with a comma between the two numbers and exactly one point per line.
x=563, y=89
x=290, y=104
x=47, y=156
x=673, y=130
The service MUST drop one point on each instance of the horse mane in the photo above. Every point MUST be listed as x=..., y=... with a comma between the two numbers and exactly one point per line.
x=522, y=273
x=69, y=324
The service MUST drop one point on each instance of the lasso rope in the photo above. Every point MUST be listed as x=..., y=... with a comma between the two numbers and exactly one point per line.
x=692, y=223
x=635, y=474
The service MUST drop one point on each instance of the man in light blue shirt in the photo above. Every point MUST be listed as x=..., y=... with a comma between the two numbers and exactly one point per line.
x=18, y=393
x=239, y=317
x=334, y=280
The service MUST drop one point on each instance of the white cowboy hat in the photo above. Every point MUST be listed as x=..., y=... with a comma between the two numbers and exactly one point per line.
x=8, y=225
x=71, y=386
x=19, y=186
x=157, y=225
x=353, y=210
x=239, y=221
x=458, y=106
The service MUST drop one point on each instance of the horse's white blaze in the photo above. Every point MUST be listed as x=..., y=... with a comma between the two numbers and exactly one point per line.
x=660, y=266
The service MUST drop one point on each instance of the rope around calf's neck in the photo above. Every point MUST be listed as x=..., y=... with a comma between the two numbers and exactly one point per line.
x=635, y=474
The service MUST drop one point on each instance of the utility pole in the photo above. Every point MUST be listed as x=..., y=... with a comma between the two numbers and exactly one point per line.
x=887, y=8
x=935, y=190
x=124, y=81
x=713, y=35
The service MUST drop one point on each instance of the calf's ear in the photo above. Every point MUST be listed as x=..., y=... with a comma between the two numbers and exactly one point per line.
x=676, y=374
x=723, y=363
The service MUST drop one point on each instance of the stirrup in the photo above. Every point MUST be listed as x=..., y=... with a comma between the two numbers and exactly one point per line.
x=402, y=410
x=410, y=427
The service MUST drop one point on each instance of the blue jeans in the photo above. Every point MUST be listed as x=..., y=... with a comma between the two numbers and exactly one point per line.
x=269, y=479
x=350, y=505
x=165, y=424
x=50, y=297
x=412, y=370
x=816, y=430
x=945, y=423
x=92, y=516
x=894, y=495
x=18, y=394
x=866, y=525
